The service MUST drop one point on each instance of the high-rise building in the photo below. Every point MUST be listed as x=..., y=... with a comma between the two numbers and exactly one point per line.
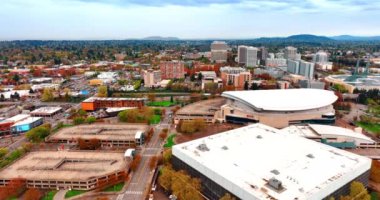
x=320, y=57
x=306, y=69
x=293, y=66
x=219, y=50
x=247, y=55
x=242, y=54
x=301, y=67
x=290, y=53
x=151, y=77
x=262, y=55
x=172, y=69
x=275, y=62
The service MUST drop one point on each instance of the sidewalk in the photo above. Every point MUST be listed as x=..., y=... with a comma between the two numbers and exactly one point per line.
x=60, y=195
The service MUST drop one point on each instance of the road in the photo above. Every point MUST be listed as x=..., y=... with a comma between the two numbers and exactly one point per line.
x=141, y=178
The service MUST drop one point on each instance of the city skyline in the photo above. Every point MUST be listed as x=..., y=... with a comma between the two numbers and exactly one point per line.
x=131, y=19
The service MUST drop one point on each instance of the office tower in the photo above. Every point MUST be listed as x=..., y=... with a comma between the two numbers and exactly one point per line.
x=320, y=57
x=151, y=77
x=291, y=53
x=247, y=55
x=242, y=54
x=306, y=69
x=219, y=51
x=293, y=66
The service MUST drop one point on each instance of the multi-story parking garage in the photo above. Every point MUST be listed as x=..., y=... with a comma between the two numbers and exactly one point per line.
x=109, y=135
x=280, y=108
x=79, y=170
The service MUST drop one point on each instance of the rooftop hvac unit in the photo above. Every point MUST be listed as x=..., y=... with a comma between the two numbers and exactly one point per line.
x=275, y=183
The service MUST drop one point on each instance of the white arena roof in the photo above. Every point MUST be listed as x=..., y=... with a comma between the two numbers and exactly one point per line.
x=244, y=160
x=284, y=100
x=327, y=131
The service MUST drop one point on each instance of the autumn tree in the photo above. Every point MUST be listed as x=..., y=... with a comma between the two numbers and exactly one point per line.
x=102, y=91
x=357, y=192
x=32, y=194
x=153, y=162
x=375, y=171
x=167, y=156
x=227, y=196
x=3, y=152
x=151, y=97
x=163, y=135
x=47, y=95
x=136, y=162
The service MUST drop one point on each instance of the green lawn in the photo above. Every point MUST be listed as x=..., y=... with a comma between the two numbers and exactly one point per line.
x=155, y=119
x=370, y=127
x=72, y=193
x=50, y=195
x=374, y=196
x=170, y=141
x=161, y=103
x=115, y=188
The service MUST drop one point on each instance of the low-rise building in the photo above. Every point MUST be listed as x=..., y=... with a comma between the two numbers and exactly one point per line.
x=95, y=103
x=26, y=125
x=46, y=111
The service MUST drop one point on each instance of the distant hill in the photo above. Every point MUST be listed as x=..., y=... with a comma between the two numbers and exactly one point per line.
x=303, y=38
x=356, y=38
x=160, y=38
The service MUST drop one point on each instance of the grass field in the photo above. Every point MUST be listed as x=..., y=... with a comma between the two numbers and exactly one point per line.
x=155, y=119
x=72, y=193
x=170, y=141
x=115, y=188
x=161, y=103
x=370, y=127
x=49, y=195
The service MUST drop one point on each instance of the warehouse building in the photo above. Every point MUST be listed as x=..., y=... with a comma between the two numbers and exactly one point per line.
x=258, y=162
x=280, y=108
x=46, y=111
x=5, y=125
x=26, y=124
x=95, y=103
x=109, y=135
x=66, y=169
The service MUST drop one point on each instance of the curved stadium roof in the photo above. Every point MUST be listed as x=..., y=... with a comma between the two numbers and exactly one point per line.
x=283, y=100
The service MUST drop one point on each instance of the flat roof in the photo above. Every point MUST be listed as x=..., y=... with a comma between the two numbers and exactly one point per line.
x=17, y=118
x=245, y=159
x=28, y=120
x=64, y=165
x=93, y=99
x=46, y=110
x=283, y=100
x=125, y=132
x=316, y=130
x=209, y=106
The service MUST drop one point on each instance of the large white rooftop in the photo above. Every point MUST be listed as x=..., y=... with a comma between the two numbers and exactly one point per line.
x=46, y=110
x=327, y=131
x=245, y=159
x=284, y=100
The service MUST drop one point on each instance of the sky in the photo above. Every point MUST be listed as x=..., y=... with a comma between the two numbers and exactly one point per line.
x=186, y=19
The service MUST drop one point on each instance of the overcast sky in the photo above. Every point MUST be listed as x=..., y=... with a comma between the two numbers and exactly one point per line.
x=186, y=19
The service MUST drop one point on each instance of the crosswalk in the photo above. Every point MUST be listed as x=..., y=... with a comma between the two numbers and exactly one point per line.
x=126, y=193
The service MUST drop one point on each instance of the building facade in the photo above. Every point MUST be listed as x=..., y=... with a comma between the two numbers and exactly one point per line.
x=152, y=78
x=95, y=103
x=172, y=69
x=235, y=76
x=219, y=51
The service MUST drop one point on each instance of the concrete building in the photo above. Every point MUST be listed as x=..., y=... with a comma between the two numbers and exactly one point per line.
x=152, y=78
x=219, y=50
x=208, y=110
x=235, y=76
x=46, y=111
x=320, y=57
x=109, y=135
x=95, y=103
x=331, y=135
x=279, y=108
x=301, y=67
x=290, y=53
x=172, y=69
x=67, y=170
x=275, y=62
x=262, y=55
x=248, y=55
x=306, y=69
x=259, y=162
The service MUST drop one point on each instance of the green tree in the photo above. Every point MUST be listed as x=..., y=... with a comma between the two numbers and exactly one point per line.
x=90, y=120
x=3, y=152
x=102, y=91
x=78, y=120
x=38, y=134
x=47, y=95
x=16, y=78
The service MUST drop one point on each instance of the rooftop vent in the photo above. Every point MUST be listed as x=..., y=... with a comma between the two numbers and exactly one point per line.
x=259, y=137
x=275, y=184
x=224, y=147
x=275, y=171
x=310, y=155
x=203, y=147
